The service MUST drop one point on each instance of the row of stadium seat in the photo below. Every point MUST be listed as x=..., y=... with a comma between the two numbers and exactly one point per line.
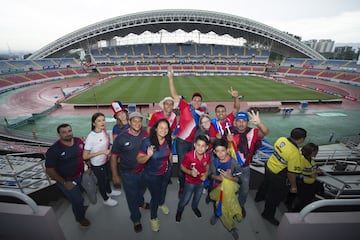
x=334, y=64
x=18, y=66
x=178, y=50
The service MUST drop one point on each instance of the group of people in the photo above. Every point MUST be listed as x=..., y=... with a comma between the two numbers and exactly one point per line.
x=141, y=158
x=290, y=175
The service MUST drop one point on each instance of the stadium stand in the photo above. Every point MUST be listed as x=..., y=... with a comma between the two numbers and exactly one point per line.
x=180, y=51
x=330, y=64
x=19, y=73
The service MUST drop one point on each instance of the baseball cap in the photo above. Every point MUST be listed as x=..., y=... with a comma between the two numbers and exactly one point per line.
x=242, y=115
x=135, y=114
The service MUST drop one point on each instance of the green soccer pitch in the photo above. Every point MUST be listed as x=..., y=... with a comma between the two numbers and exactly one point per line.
x=143, y=89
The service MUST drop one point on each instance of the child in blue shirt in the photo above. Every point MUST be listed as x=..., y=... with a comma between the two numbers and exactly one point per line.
x=223, y=167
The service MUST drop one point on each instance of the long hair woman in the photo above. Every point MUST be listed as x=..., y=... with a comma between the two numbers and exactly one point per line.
x=155, y=153
x=97, y=150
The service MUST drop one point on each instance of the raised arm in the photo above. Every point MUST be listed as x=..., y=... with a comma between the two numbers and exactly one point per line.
x=255, y=119
x=173, y=92
x=143, y=158
x=235, y=96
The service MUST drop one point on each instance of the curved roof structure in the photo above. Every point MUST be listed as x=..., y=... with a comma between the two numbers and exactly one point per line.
x=172, y=20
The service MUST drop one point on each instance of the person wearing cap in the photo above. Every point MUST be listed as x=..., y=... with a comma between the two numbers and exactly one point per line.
x=123, y=161
x=281, y=168
x=167, y=106
x=121, y=115
x=218, y=128
x=188, y=124
x=248, y=141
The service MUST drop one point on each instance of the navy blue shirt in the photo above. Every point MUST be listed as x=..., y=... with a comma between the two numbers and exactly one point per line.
x=159, y=161
x=126, y=146
x=67, y=161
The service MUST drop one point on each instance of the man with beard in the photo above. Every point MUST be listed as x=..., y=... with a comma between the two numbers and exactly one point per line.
x=64, y=164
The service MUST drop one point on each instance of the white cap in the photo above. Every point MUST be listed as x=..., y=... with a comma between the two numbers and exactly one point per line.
x=161, y=103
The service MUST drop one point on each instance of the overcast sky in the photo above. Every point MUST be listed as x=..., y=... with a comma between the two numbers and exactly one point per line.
x=31, y=24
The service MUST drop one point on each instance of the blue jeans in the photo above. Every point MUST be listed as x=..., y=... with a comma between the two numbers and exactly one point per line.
x=102, y=174
x=182, y=147
x=75, y=197
x=244, y=185
x=152, y=183
x=189, y=189
x=164, y=184
x=134, y=188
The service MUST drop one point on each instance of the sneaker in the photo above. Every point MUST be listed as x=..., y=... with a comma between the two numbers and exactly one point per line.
x=178, y=216
x=84, y=222
x=197, y=212
x=238, y=218
x=110, y=202
x=271, y=220
x=155, y=224
x=114, y=193
x=213, y=220
x=164, y=209
x=137, y=227
x=234, y=233
x=145, y=206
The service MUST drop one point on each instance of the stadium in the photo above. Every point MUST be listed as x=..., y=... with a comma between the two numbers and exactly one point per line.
x=84, y=71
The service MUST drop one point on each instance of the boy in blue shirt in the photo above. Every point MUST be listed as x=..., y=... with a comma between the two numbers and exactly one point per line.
x=223, y=167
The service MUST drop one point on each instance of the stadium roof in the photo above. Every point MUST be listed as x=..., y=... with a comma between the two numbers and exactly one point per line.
x=172, y=20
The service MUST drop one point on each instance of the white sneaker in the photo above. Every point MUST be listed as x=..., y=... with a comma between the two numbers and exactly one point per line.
x=110, y=202
x=114, y=193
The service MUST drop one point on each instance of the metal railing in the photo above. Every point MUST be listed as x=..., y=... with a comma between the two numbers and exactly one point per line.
x=324, y=203
x=26, y=199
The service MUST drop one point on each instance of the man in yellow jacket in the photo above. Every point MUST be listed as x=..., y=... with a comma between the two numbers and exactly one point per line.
x=283, y=165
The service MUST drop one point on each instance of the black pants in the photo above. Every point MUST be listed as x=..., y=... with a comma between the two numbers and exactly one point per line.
x=306, y=195
x=276, y=191
x=102, y=174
